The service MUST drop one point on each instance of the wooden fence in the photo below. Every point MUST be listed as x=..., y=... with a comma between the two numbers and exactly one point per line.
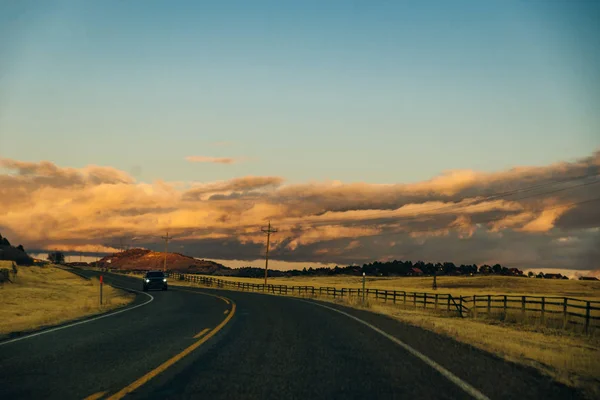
x=562, y=311
x=435, y=301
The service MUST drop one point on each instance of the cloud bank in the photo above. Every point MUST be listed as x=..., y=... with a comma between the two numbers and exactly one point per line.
x=528, y=217
x=211, y=160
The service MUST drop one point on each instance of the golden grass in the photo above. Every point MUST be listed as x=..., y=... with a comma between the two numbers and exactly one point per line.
x=42, y=296
x=454, y=285
x=569, y=358
x=6, y=264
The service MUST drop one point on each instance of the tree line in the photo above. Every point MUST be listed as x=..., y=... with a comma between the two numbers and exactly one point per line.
x=389, y=268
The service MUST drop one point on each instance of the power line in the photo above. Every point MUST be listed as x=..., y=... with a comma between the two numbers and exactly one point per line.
x=268, y=231
x=166, y=239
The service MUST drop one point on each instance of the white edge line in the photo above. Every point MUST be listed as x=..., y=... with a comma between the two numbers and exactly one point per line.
x=85, y=321
x=447, y=374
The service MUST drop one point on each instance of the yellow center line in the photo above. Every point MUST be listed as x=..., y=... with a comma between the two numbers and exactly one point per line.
x=202, y=332
x=95, y=396
x=164, y=366
x=226, y=300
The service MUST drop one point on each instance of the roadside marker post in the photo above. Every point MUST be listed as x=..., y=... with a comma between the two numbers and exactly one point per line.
x=363, y=291
x=101, y=283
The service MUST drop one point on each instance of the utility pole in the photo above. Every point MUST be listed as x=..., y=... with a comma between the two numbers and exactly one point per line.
x=166, y=239
x=268, y=231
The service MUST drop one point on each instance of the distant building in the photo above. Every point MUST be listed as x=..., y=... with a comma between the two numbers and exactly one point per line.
x=415, y=272
x=588, y=278
x=553, y=276
x=515, y=271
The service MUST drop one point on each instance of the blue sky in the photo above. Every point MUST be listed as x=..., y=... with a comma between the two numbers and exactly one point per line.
x=380, y=92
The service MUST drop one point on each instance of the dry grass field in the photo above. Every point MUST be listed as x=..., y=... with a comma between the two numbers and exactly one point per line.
x=454, y=285
x=42, y=296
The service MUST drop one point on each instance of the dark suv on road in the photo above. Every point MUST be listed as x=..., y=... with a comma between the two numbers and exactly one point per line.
x=155, y=280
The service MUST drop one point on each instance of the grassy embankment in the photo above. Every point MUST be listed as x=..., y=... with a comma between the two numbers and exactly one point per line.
x=570, y=358
x=42, y=296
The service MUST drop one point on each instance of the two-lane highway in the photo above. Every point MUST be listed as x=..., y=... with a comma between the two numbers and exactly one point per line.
x=109, y=353
x=187, y=343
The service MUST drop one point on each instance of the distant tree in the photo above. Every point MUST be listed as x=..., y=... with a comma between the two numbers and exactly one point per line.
x=530, y=274
x=497, y=269
x=56, y=257
x=4, y=242
x=449, y=268
x=20, y=247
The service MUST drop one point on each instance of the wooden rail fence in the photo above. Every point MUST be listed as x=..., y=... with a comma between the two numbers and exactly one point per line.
x=565, y=310
x=560, y=311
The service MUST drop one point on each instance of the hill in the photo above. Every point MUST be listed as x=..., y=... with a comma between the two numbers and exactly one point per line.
x=143, y=260
x=11, y=253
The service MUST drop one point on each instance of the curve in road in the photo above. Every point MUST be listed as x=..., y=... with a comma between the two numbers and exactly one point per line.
x=265, y=347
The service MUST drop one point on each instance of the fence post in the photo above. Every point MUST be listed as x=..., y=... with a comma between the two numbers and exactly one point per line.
x=404, y=293
x=424, y=300
x=587, y=316
x=565, y=316
x=505, y=306
x=523, y=301
x=449, y=296
x=543, y=316
x=489, y=304
x=475, y=305
x=415, y=299
x=461, y=306
x=436, y=301
x=394, y=296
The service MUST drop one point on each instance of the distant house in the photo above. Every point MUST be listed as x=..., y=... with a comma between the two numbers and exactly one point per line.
x=553, y=276
x=415, y=272
x=515, y=271
x=588, y=278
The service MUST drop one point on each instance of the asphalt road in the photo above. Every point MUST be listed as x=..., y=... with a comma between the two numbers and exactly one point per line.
x=254, y=346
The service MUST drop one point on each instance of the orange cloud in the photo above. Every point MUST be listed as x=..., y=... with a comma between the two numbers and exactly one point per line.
x=44, y=205
x=212, y=160
x=225, y=188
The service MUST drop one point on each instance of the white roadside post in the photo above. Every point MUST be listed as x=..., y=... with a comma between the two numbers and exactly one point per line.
x=363, y=290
